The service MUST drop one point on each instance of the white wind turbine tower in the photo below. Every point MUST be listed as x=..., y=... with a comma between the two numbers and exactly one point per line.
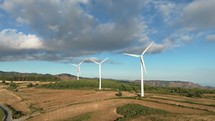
x=100, y=71
x=78, y=69
x=142, y=65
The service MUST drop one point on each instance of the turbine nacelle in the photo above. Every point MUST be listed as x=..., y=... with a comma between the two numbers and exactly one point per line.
x=97, y=61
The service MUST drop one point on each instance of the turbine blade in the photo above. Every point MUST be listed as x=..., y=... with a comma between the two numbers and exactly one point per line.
x=94, y=61
x=104, y=60
x=143, y=63
x=147, y=48
x=144, y=66
x=74, y=64
x=133, y=55
x=81, y=62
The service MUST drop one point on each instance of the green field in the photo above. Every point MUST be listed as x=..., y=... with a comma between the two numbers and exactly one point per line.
x=2, y=114
x=126, y=86
x=130, y=111
x=82, y=117
x=93, y=84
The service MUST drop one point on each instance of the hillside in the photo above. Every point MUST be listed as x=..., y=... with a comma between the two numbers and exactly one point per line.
x=17, y=76
x=66, y=76
x=158, y=83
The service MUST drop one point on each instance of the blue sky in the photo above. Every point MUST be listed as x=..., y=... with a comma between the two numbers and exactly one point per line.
x=47, y=36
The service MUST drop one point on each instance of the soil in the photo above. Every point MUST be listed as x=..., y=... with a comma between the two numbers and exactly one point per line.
x=59, y=105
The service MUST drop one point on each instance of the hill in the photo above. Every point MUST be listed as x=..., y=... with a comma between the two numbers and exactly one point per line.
x=159, y=83
x=17, y=76
x=65, y=76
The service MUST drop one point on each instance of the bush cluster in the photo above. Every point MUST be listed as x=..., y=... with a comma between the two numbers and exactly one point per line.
x=119, y=93
x=13, y=85
x=30, y=85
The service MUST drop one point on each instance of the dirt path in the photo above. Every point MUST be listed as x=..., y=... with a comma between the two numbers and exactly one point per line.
x=7, y=113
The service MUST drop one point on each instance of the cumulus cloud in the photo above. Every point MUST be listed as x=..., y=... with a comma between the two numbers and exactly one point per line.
x=65, y=29
x=79, y=26
x=10, y=38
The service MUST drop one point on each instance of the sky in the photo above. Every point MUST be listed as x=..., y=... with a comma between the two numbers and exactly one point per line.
x=47, y=36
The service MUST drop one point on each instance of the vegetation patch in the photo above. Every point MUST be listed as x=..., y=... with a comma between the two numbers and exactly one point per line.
x=189, y=92
x=130, y=111
x=2, y=114
x=82, y=117
x=92, y=84
x=34, y=109
x=15, y=76
x=15, y=114
x=126, y=86
x=13, y=85
x=119, y=93
x=30, y=85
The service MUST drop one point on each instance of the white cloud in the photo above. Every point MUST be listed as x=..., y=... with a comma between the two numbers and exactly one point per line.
x=10, y=38
x=71, y=28
x=74, y=29
x=186, y=38
x=167, y=8
x=211, y=37
x=199, y=14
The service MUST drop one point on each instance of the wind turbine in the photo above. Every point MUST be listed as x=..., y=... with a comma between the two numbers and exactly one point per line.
x=78, y=68
x=142, y=65
x=100, y=71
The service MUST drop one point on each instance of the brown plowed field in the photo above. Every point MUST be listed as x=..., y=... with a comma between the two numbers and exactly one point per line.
x=72, y=111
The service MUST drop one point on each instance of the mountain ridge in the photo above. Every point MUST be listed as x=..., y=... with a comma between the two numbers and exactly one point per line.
x=66, y=76
x=165, y=83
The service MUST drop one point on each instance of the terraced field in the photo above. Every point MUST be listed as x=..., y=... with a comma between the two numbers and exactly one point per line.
x=65, y=105
x=68, y=104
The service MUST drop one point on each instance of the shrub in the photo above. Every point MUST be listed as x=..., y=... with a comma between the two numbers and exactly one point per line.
x=17, y=114
x=13, y=85
x=119, y=93
x=194, y=94
x=30, y=85
x=36, y=84
x=3, y=81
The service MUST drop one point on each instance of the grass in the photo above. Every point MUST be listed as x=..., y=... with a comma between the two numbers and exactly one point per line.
x=130, y=111
x=2, y=114
x=34, y=109
x=93, y=84
x=82, y=117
